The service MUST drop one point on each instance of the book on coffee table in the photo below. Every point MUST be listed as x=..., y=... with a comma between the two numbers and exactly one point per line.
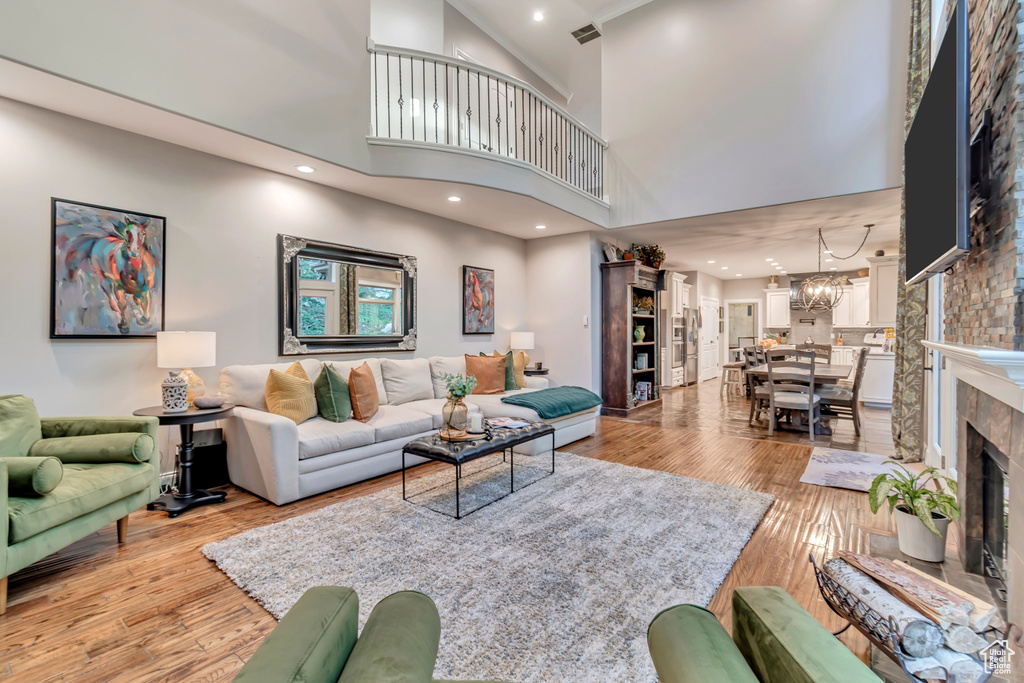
x=510, y=422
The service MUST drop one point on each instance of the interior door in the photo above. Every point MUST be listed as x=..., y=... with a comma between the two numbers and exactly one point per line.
x=710, y=363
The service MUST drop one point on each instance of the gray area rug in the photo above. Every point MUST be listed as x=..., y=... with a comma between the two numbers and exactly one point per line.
x=555, y=582
x=844, y=469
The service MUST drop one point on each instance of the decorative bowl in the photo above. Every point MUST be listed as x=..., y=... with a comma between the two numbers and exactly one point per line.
x=206, y=402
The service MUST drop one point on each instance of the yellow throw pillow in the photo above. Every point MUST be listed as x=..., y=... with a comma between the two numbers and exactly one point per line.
x=290, y=394
x=519, y=361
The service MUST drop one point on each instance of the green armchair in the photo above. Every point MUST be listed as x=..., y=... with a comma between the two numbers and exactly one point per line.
x=61, y=479
x=775, y=640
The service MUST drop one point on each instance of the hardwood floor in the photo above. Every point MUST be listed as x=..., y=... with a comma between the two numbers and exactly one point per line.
x=155, y=609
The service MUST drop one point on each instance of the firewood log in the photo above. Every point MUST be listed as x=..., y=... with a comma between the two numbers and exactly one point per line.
x=963, y=639
x=984, y=615
x=939, y=604
x=960, y=667
x=925, y=636
x=927, y=668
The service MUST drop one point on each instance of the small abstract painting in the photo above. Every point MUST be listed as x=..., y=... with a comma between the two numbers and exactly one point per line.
x=107, y=273
x=477, y=300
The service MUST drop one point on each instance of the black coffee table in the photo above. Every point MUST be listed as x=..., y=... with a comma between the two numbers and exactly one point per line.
x=499, y=440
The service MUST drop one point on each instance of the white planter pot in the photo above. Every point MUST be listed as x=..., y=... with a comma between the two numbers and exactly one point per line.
x=917, y=541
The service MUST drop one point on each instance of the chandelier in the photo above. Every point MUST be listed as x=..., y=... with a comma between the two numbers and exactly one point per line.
x=823, y=291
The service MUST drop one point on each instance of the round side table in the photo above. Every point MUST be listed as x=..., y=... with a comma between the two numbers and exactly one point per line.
x=186, y=498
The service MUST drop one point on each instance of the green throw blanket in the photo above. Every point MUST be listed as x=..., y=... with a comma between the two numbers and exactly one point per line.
x=556, y=401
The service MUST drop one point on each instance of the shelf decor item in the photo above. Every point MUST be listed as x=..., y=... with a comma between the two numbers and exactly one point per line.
x=174, y=393
x=643, y=305
x=650, y=255
x=106, y=272
x=638, y=333
x=187, y=350
x=773, y=282
x=477, y=300
x=922, y=514
x=455, y=413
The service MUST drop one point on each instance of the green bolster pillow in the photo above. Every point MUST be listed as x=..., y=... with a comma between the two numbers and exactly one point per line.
x=31, y=477
x=131, y=447
x=399, y=642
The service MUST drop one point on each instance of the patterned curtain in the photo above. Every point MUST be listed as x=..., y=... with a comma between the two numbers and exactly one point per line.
x=911, y=302
x=349, y=295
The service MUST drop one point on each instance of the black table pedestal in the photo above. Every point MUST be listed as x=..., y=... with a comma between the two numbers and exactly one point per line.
x=186, y=498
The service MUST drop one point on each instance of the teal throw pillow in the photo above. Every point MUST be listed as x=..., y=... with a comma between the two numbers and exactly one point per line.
x=332, y=397
x=19, y=426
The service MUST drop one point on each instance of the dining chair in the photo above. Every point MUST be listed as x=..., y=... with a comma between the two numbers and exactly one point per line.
x=822, y=352
x=790, y=387
x=751, y=359
x=845, y=401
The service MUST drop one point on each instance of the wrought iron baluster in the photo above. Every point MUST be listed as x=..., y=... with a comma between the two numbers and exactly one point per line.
x=435, y=103
x=423, y=97
x=387, y=66
x=458, y=105
x=401, y=107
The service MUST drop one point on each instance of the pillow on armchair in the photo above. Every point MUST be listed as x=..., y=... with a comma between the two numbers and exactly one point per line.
x=31, y=477
x=19, y=426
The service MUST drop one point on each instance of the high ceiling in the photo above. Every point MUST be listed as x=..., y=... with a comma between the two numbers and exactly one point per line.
x=740, y=242
x=546, y=45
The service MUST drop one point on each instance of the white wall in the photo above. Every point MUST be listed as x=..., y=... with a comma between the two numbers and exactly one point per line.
x=719, y=106
x=413, y=24
x=558, y=287
x=467, y=36
x=292, y=73
x=222, y=222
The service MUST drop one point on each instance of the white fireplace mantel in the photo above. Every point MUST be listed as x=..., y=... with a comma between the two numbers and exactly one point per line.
x=997, y=372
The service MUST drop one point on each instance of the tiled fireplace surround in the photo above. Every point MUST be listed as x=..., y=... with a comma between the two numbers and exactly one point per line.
x=987, y=404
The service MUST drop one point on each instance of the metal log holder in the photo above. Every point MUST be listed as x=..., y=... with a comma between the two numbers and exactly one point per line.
x=883, y=632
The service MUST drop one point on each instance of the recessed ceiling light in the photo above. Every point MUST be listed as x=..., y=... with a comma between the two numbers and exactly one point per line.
x=783, y=272
x=538, y=16
x=453, y=198
x=725, y=267
x=778, y=267
x=739, y=274
x=829, y=260
x=828, y=251
x=833, y=268
x=769, y=259
x=710, y=261
x=541, y=227
x=775, y=263
x=304, y=169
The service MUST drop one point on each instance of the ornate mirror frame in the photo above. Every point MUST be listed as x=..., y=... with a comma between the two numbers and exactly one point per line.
x=289, y=248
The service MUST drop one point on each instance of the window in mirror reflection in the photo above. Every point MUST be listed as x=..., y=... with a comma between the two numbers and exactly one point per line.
x=346, y=299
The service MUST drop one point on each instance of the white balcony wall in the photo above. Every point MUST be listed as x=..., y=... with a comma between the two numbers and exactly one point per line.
x=720, y=106
x=413, y=24
x=291, y=73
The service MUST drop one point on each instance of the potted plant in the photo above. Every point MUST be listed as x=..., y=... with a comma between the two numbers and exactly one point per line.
x=643, y=305
x=650, y=255
x=922, y=514
x=455, y=414
x=773, y=282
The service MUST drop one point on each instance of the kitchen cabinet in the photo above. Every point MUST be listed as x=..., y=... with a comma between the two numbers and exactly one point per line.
x=860, y=292
x=876, y=388
x=679, y=299
x=846, y=355
x=776, y=308
x=882, y=294
x=842, y=314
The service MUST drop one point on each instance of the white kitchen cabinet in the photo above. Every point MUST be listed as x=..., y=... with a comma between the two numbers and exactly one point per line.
x=842, y=314
x=846, y=355
x=776, y=308
x=680, y=296
x=883, y=285
x=860, y=292
x=876, y=388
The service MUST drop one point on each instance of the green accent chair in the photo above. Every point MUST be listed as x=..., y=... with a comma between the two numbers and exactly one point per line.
x=64, y=478
x=775, y=640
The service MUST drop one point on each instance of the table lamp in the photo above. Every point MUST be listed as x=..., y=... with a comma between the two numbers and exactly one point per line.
x=524, y=342
x=187, y=350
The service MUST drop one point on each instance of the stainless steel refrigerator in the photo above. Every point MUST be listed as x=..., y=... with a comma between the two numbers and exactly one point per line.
x=691, y=344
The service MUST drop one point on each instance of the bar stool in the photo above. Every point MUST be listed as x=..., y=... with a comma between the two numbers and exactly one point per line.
x=732, y=376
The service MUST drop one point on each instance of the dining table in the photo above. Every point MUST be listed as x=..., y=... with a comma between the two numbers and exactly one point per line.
x=824, y=374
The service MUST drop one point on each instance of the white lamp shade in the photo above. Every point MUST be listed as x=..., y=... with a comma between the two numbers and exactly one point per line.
x=186, y=349
x=522, y=340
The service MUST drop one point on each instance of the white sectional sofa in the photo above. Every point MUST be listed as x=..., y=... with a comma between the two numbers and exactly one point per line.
x=280, y=461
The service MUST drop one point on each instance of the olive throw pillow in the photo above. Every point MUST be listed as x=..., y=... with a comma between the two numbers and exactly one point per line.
x=290, y=394
x=332, y=396
x=29, y=477
x=510, y=373
x=19, y=425
x=489, y=372
x=362, y=389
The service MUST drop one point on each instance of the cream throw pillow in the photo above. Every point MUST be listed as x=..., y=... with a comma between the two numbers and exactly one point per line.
x=519, y=362
x=290, y=394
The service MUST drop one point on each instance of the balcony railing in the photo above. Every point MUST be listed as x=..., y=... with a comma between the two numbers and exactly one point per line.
x=436, y=100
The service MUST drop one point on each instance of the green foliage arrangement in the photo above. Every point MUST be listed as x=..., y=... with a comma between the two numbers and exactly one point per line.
x=901, y=486
x=459, y=386
x=649, y=254
x=643, y=303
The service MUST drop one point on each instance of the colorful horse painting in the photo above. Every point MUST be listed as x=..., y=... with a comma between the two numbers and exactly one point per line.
x=477, y=300
x=108, y=272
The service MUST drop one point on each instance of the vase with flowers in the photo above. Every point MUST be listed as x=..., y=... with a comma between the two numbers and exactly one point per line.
x=455, y=414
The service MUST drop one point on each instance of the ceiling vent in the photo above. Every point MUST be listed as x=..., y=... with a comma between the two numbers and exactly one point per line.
x=586, y=34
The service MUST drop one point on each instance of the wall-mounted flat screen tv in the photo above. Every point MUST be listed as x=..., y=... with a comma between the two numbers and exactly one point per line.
x=937, y=157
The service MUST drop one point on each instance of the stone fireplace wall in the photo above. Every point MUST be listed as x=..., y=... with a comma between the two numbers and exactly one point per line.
x=985, y=291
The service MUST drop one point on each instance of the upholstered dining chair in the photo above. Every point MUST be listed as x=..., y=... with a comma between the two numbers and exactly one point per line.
x=790, y=387
x=845, y=401
x=822, y=352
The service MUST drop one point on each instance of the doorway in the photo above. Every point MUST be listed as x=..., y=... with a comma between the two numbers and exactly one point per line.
x=744, y=319
x=710, y=333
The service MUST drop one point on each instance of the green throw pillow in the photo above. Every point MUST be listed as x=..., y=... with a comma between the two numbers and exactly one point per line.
x=19, y=426
x=510, y=371
x=30, y=477
x=332, y=397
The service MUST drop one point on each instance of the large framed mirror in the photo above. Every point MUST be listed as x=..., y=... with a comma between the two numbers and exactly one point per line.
x=335, y=298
